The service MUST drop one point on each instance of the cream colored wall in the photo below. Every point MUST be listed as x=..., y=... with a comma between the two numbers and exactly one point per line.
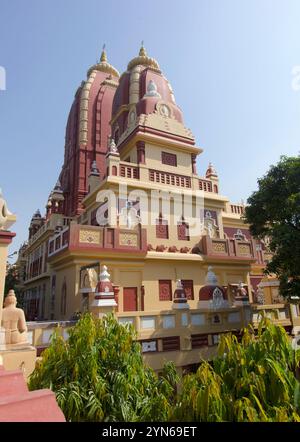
x=153, y=160
x=150, y=272
x=71, y=274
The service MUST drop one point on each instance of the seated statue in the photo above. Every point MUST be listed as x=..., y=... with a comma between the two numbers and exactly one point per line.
x=13, y=321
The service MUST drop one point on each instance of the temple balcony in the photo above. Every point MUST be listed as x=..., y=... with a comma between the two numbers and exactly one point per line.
x=49, y=226
x=140, y=172
x=227, y=248
x=83, y=238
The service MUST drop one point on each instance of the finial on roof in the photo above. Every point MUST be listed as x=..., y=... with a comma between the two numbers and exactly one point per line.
x=103, y=57
x=211, y=171
x=57, y=187
x=142, y=52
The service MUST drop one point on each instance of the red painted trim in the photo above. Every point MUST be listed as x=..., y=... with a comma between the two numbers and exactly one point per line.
x=6, y=236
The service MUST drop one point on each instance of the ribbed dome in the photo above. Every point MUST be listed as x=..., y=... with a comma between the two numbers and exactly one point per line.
x=143, y=59
x=104, y=66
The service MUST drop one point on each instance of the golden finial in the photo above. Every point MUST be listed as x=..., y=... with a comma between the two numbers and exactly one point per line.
x=103, y=55
x=142, y=52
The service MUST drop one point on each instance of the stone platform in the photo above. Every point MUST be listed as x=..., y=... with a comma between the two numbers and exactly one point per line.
x=18, y=404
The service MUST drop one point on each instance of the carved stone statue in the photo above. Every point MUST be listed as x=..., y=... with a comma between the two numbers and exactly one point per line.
x=13, y=321
x=241, y=291
x=3, y=211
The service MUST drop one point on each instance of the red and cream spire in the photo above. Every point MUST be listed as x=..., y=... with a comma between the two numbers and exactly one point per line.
x=104, y=301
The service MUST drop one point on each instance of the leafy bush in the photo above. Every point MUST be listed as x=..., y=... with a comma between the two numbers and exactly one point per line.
x=249, y=381
x=98, y=374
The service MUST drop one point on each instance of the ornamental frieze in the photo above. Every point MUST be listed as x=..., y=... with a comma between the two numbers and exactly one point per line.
x=90, y=236
x=128, y=239
x=219, y=247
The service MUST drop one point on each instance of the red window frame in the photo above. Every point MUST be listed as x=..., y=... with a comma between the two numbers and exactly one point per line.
x=165, y=289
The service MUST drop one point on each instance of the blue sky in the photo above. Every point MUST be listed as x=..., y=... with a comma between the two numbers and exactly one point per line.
x=229, y=63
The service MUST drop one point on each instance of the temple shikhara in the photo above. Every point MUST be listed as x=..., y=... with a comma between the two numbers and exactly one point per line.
x=115, y=237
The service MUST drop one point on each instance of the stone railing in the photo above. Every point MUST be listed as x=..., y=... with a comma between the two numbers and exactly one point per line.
x=163, y=331
x=229, y=248
x=280, y=314
x=205, y=185
x=168, y=178
x=51, y=224
x=127, y=170
x=78, y=237
x=39, y=333
x=237, y=208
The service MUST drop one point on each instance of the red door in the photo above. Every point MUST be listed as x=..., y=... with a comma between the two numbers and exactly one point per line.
x=130, y=299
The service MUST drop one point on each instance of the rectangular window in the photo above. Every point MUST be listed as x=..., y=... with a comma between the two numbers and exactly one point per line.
x=170, y=159
x=162, y=228
x=189, y=288
x=183, y=231
x=199, y=341
x=165, y=290
x=171, y=343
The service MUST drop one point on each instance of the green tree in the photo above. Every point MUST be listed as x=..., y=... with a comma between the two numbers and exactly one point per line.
x=98, y=374
x=273, y=211
x=252, y=380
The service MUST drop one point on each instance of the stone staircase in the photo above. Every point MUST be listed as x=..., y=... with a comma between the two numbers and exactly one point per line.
x=18, y=404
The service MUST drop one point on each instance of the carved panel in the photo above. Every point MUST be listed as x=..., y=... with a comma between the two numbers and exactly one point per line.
x=218, y=247
x=169, y=158
x=162, y=229
x=165, y=290
x=183, y=231
x=188, y=287
x=128, y=239
x=90, y=236
x=148, y=346
x=244, y=249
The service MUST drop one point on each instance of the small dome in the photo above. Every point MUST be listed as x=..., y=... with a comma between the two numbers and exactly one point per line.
x=104, y=66
x=211, y=171
x=143, y=60
x=37, y=214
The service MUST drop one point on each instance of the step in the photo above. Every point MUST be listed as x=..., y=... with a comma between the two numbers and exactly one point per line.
x=12, y=383
x=33, y=406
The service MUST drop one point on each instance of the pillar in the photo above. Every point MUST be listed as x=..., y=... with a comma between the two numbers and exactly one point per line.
x=140, y=145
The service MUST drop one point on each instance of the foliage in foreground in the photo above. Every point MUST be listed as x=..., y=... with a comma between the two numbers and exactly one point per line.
x=99, y=374
x=249, y=381
x=273, y=211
